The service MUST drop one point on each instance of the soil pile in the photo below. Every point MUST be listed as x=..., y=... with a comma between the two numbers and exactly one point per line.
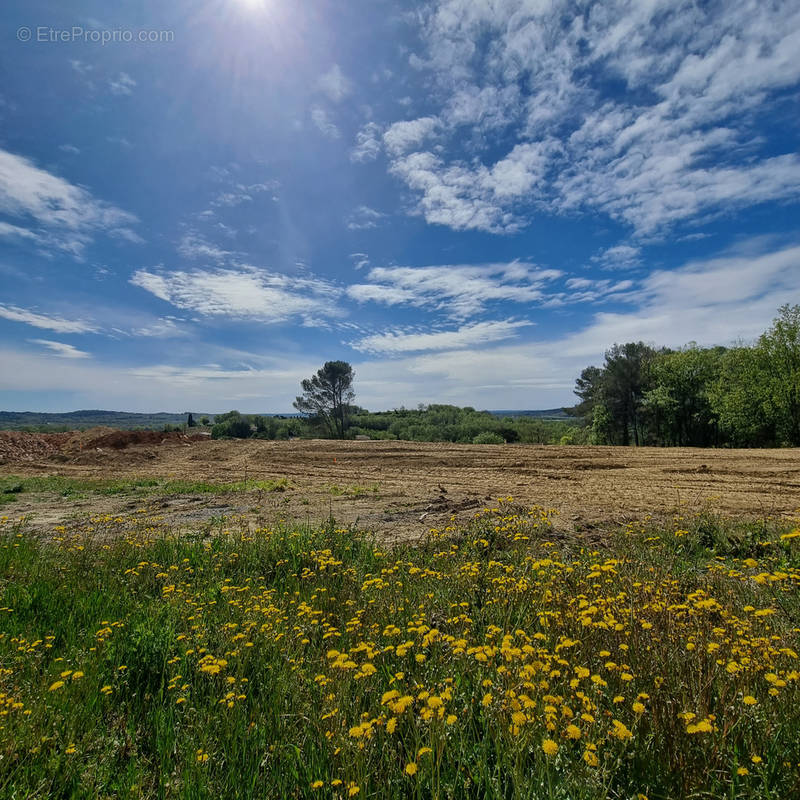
x=17, y=446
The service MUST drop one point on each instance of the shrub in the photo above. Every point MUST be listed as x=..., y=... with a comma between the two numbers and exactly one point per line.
x=487, y=437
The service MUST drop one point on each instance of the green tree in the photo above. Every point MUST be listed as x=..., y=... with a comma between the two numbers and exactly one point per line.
x=589, y=388
x=327, y=396
x=679, y=407
x=623, y=388
x=778, y=350
x=738, y=398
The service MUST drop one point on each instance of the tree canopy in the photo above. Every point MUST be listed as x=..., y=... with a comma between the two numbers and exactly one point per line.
x=743, y=396
x=327, y=396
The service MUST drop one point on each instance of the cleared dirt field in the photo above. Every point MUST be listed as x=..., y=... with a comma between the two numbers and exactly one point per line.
x=401, y=489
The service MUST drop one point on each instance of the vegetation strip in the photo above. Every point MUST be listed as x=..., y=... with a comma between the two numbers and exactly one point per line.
x=496, y=660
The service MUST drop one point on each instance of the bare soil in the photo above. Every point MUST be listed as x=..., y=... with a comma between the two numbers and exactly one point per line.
x=402, y=489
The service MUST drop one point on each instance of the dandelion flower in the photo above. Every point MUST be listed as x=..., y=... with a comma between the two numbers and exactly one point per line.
x=411, y=768
x=749, y=700
x=573, y=732
x=549, y=747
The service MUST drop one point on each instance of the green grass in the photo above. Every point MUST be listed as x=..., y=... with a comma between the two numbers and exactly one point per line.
x=11, y=486
x=500, y=660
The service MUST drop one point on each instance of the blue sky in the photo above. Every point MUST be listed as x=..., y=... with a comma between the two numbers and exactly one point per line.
x=469, y=200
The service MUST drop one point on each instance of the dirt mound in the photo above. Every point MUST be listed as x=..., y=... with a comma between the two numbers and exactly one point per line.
x=20, y=446
x=118, y=440
x=16, y=446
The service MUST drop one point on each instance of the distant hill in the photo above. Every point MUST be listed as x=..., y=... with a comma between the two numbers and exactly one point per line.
x=548, y=413
x=73, y=420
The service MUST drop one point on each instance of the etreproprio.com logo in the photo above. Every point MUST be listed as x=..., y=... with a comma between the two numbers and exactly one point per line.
x=45, y=34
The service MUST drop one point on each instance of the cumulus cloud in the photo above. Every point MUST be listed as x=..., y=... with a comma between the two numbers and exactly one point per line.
x=368, y=143
x=466, y=197
x=409, y=134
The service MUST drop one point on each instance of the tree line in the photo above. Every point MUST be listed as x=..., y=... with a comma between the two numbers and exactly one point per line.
x=741, y=396
x=433, y=423
x=327, y=409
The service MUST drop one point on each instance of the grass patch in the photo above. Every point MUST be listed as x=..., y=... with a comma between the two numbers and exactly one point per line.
x=492, y=661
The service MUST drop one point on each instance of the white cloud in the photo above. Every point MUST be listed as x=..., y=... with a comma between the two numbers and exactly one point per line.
x=471, y=335
x=123, y=84
x=249, y=382
x=16, y=232
x=48, y=322
x=621, y=256
x=69, y=148
x=334, y=84
x=466, y=197
x=81, y=67
x=360, y=260
x=195, y=246
x=368, y=143
x=586, y=290
x=126, y=234
x=245, y=293
x=672, y=141
x=713, y=301
x=60, y=349
x=163, y=328
x=487, y=108
x=239, y=193
x=364, y=218
x=457, y=290
x=319, y=116
x=59, y=214
x=408, y=135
